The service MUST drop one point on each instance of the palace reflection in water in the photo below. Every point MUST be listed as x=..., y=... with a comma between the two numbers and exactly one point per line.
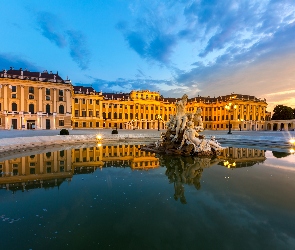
x=188, y=170
x=95, y=196
x=50, y=169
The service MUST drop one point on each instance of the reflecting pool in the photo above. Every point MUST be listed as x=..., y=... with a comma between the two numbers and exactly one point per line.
x=119, y=197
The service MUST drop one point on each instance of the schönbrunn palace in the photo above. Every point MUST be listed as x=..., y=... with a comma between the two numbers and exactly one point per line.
x=43, y=100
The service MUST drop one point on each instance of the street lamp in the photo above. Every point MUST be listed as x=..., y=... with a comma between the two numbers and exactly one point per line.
x=230, y=108
x=159, y=118
x=240, y=125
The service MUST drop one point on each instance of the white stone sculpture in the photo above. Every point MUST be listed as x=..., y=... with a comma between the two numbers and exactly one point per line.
x=171, y=123
x=180, y=116
x=191, y=136
x=198, y=122
x=182, y=137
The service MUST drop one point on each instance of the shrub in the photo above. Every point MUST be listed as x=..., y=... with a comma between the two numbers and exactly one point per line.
x=64, y=132
x=115, y=132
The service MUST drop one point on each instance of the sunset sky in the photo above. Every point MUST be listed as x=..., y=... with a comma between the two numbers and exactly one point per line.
x=209, y=47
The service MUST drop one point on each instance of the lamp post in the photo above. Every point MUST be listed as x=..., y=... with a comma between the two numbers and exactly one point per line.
x=159, y=118
x=230, y=108
x=240, y=125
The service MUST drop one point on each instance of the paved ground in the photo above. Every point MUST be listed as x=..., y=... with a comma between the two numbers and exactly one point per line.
x=218, y=133
x=271, y=140
x=30, y=133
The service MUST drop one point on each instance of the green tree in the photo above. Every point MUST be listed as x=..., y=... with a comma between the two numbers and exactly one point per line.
x=282, y=112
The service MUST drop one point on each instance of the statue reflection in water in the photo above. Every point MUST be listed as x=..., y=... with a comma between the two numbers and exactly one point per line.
x=185, y=170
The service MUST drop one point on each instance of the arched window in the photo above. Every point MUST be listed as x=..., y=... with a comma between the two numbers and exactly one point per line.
x=47, y=108
x=110, y=115
x=126, y=116
x=115, y=115
x=61, y=109
x=14, y=106
x=31, y=108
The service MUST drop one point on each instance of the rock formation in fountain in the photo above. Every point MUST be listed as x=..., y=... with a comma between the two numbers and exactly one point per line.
x=182, y=137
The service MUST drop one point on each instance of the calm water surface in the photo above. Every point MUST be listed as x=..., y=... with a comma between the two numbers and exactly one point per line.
x=117, y=197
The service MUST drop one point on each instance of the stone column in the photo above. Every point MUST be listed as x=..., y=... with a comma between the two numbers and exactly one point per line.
x=22, y=98
x=100, y=111
x=54, y=117
x=80, y=107
x=68, y=101
x=54, y=100
x=40, y=108
x=5, y=98
x=87, y=108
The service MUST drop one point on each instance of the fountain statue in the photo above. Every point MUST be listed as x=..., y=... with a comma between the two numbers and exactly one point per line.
x=182, y=137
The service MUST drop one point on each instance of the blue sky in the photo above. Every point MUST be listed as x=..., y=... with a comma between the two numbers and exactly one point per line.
x=205, y=47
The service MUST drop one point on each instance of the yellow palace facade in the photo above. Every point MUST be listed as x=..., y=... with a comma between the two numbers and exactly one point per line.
x=149, y=110
x=43, y=100
x=34, y=100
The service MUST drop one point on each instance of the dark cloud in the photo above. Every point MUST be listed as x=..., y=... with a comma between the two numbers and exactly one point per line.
x=139, y=74
x=49, y=27
x=269, y=35
x=126, y=85
x=151, y=34
x=218, y=25
x=52, y=29
x=78, y=48
x=137, y=42
x=158, y=48
x=16, y=62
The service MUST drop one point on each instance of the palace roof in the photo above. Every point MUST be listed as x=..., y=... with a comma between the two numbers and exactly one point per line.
x=44, y=76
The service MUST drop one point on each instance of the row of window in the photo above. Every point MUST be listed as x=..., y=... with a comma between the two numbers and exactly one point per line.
x=147, y=97
x=48, y=154
x=33, y=171
x=61, y=109
x=209, y=118
x=89, y=100
x=115, y=115
x=222, y=108
x=32, y=90
x=31, y=97
x=121, y=105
